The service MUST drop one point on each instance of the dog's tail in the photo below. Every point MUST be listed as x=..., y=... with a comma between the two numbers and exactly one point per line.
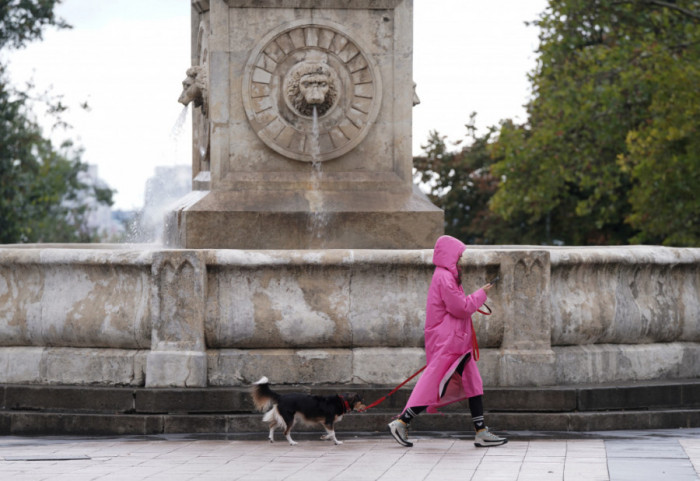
x=264, y=397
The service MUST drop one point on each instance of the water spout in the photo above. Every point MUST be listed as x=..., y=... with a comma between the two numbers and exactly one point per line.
x=315, y=146
x=318, y=219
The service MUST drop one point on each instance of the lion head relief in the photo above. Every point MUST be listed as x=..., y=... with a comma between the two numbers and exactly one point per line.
x=309, y=85
x=194, y=88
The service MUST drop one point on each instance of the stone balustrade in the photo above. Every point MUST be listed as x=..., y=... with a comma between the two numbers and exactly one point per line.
x=143, y=315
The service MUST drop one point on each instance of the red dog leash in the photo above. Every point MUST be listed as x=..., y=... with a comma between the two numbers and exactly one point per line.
x=485, y=313
x=475, y=344
x=383, y=398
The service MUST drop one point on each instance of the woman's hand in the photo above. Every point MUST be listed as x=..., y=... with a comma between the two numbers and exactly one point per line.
x=487, y=287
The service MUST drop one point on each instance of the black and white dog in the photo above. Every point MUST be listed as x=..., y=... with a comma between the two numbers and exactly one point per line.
x=283, y=410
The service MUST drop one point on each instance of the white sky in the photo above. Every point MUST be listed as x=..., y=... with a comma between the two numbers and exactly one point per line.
x=127, y=59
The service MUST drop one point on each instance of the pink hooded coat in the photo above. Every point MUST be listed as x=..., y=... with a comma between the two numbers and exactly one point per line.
x=448, y=334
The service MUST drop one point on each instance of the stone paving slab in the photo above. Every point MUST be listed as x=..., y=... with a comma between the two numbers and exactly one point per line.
x=614, y=455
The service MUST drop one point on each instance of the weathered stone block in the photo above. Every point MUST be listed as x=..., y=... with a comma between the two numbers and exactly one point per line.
x=178, y=300
x=386, y=365
x=279, y=307
x=177, y=355
x=234, y=367
x=21, y=364
x=176, y=368
x=526, y=367
x=621, y=295
x=608, y=363
x=92, y=366
x=74, y=298
x=383, y=318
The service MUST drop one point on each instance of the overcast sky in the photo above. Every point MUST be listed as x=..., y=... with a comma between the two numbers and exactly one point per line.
x=127, y=59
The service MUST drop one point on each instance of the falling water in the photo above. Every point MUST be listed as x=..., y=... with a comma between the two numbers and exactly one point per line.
x=315, y=146
x=318, y=218
x=176, y=130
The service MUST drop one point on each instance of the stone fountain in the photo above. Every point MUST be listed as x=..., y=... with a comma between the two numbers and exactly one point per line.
x=302, y=128
x=303, y=254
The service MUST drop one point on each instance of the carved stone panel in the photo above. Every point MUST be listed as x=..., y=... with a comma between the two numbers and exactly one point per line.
x=310, y=91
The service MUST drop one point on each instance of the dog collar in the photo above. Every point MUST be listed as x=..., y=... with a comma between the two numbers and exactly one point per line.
x=346, y=405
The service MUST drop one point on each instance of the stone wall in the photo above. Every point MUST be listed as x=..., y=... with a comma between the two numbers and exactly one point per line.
x=139, y=315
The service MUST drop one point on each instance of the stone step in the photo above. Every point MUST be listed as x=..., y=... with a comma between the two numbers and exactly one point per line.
x=92, y=424
x=673, y=394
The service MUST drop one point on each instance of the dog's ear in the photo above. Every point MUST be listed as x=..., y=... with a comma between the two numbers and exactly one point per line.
x=355, y=401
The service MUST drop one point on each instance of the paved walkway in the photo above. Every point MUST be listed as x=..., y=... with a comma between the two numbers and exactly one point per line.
x=620, y=455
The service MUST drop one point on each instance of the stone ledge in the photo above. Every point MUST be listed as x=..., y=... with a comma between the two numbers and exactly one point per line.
x=678, y=394
x=349, y=4
x=34, y=423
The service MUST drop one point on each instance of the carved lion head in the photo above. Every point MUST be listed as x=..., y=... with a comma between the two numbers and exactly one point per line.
x=309, y=85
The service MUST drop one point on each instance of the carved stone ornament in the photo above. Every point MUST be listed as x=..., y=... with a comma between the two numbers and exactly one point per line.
x=301, y=67
x=195, y=90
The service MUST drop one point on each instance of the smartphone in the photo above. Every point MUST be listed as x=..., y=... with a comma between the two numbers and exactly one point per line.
x=494, y=280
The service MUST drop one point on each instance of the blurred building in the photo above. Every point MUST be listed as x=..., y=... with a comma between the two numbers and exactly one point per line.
x=99, y=217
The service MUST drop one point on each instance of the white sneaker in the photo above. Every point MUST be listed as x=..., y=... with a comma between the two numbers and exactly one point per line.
x=399, y=430
x=486, y=438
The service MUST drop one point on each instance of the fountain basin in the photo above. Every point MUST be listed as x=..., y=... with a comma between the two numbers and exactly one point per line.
x=148, y=316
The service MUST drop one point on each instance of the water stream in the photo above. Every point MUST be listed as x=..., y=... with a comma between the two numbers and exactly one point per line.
x=179, y=124
x=318, y=218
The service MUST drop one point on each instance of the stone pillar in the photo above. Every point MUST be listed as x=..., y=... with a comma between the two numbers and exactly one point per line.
x=177, y=356
x=526, y=356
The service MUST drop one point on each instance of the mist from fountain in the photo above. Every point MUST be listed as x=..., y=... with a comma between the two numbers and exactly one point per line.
x=169, y=182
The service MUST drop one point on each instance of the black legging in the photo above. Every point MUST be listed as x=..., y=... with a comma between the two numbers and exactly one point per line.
x=476, y=403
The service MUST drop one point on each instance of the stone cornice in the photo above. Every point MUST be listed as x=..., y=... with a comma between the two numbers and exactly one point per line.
x=346, y=4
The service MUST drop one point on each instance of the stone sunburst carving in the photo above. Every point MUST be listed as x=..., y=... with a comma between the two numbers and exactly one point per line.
x=302, y=65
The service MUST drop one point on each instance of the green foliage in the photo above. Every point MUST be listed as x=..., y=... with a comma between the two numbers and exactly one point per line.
x=609, y=153
x=461, y=183
x=43, y=197
x=22, y=21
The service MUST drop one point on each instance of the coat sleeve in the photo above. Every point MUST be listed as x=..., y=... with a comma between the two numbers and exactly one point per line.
x=457, y=303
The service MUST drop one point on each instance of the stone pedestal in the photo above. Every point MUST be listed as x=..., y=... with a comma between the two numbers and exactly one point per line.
x=282, y=220
x=302, y=128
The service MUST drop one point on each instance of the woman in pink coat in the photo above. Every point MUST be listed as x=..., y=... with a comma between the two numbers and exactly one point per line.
x=451, y=373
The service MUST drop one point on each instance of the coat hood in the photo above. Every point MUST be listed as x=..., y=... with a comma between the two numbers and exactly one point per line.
x=447, y=252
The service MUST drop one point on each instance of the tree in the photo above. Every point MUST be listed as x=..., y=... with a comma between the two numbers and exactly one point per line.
x=461, y=183
x=43, y=196
x=609, y=153
x=22, y=21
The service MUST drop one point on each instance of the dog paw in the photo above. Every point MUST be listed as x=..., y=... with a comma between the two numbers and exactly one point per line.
x=326, y=437
x=293, y=443
x=338, y=442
